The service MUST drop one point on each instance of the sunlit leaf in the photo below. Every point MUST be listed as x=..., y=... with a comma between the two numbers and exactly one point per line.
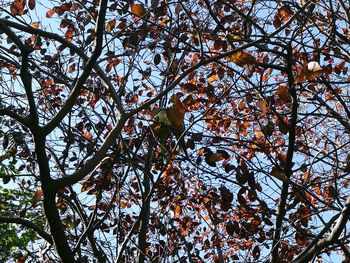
x=138, y=9
x=262, y=105
x=242, y=59
x=111, y=25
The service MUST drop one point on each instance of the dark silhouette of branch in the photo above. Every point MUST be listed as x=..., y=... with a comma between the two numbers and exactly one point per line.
x=29, y=224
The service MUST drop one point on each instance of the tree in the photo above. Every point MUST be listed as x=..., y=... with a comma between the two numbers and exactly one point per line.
x=185, y=131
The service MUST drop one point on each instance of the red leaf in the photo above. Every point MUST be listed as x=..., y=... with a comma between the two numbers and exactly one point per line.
x=50, y=13
x=87, y=135
x=17, y=7
x=37, y=195
x=31, y=4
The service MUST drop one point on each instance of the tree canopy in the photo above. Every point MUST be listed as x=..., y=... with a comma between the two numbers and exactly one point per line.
x=174, y=131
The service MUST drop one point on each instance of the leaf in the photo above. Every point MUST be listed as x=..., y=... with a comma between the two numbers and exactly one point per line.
x=226, y=198
x=213, y=78
x=22, y=259
x=283, y=94
x=157, y=59
x=242, y=59
x=50, y=13
x=37, y=195
x=176, y=113
x=278, y=173
x=190, y=87
x=87, y=135
x=111, y=25
x=347, y=164
x=31, y=4
x=35, y=25
x=230, y=228
x=262, y=105
x=17, y=7
x=211, y=158
x=138, y=9
x=310, y=71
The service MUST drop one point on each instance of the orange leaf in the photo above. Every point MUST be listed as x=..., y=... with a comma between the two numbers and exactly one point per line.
x=310, y=71
x=37, y=195
x=50, y=13
x=111, y=25
x=138, y=9
x=35, y=25
x=213, y=78
x=262, y=105
x=176, y=113
x=242, y=59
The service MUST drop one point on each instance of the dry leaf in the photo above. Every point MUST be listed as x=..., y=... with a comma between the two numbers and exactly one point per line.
x=176, y=113
x=278, y=173
x=213, y=78
x=138, y=9
x=310, y=71
x=262, y=105
x=111, y=25
x=242, y=59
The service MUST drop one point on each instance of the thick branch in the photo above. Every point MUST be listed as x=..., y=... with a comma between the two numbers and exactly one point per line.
x=24, y=73
x=95, y=160
x=22, y=120
x=86, y=73
x=288, y=164
x=28, y=224
x=315, y=248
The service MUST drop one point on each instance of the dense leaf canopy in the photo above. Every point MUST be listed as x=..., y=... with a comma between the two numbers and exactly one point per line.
x=174, y=131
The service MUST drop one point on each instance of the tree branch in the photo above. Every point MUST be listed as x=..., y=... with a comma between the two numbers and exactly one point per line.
x=22, y=120
x=28, y=224
x=49, y=127
x=315, y=248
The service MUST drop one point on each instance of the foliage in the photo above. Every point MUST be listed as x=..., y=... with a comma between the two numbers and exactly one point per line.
x=16, y=238
x=175, y=131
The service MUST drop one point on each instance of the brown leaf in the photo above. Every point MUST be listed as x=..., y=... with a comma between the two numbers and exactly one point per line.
x=230, y=229
x=176, y=113
x=226, y=195
x=22, y=259
x=310, y=71
x=17, y=7
x=347, y=164
x=242, y=59
x=157, y=59
x=211, y=158
x=262, y=105
x=256, y=252
x=31, y=4
x=111, y=25
x=138, y=9
x=278, y=173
